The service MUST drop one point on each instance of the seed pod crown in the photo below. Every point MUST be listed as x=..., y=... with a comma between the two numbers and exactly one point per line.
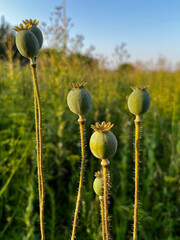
x=31, y=22
x=98, y=174
x=22, y=27
x=103, y=127
x=78, y=85
x=139, y=87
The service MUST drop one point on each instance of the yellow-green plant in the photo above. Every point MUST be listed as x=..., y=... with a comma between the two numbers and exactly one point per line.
x=103, y=145
x=79, y=101
x=29, y=41
x=138, y=103
x=98, y=189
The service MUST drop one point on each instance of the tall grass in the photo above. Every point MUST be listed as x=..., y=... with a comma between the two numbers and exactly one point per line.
x=158, y=212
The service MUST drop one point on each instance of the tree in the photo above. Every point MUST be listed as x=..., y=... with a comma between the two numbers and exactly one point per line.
x=126, y=68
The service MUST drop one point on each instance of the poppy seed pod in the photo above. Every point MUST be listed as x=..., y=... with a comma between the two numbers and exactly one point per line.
x=79, y=100
x=103, y=143
x=26, y=41
x=139, y=100
x=98, y=184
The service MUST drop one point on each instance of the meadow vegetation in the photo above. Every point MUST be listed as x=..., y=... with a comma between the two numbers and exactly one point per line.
x=160, y=148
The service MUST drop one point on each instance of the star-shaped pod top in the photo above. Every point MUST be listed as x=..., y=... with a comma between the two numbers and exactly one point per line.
x=31, y=22
x=103, y=127
x=78, y=85
x=22, y=27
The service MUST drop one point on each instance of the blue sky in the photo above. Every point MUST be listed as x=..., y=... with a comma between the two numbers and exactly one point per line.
x=150, y=28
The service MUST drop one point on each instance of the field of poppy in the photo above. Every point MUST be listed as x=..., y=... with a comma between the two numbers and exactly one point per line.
x=159, y=150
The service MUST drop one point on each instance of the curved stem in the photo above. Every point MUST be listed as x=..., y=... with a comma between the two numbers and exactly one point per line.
x=102, y=216
x=81, y=122
x=105, y=164
x=40, y=160
x=137, y=127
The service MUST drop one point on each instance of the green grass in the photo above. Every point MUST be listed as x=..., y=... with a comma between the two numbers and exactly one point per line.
x=158, y=211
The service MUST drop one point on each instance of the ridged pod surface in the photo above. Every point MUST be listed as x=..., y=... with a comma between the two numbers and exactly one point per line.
x=79, y=100
x=37, y=32
x=103, y=145
x=98, y=186
x=139, y=101
x=27, y=43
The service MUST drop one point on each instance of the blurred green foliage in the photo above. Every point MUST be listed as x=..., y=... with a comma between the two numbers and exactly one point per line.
x=160, y=151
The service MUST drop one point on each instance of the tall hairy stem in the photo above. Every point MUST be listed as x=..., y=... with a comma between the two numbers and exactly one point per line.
x=38, y=120
x=81, y=122
x=137, y=128
x=102, y=216
x=37, y=143
x=105, y=164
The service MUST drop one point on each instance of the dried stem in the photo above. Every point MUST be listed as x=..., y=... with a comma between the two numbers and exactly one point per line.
x=102, y=216
x=38, y=117
x=81, y=122
x=137, y=128
x=105, y=164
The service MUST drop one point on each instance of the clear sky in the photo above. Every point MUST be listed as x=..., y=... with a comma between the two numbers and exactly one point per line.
x=150, y=28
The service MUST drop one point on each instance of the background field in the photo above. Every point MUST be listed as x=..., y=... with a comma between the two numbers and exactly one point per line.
x=160, y=150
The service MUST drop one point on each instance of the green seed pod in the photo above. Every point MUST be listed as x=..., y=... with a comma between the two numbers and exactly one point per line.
x=98, y=184
x=26, y=41
x=103, y=143
x=139, y=101
x=34, y=29
x=27, y=44
x=79, y=100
